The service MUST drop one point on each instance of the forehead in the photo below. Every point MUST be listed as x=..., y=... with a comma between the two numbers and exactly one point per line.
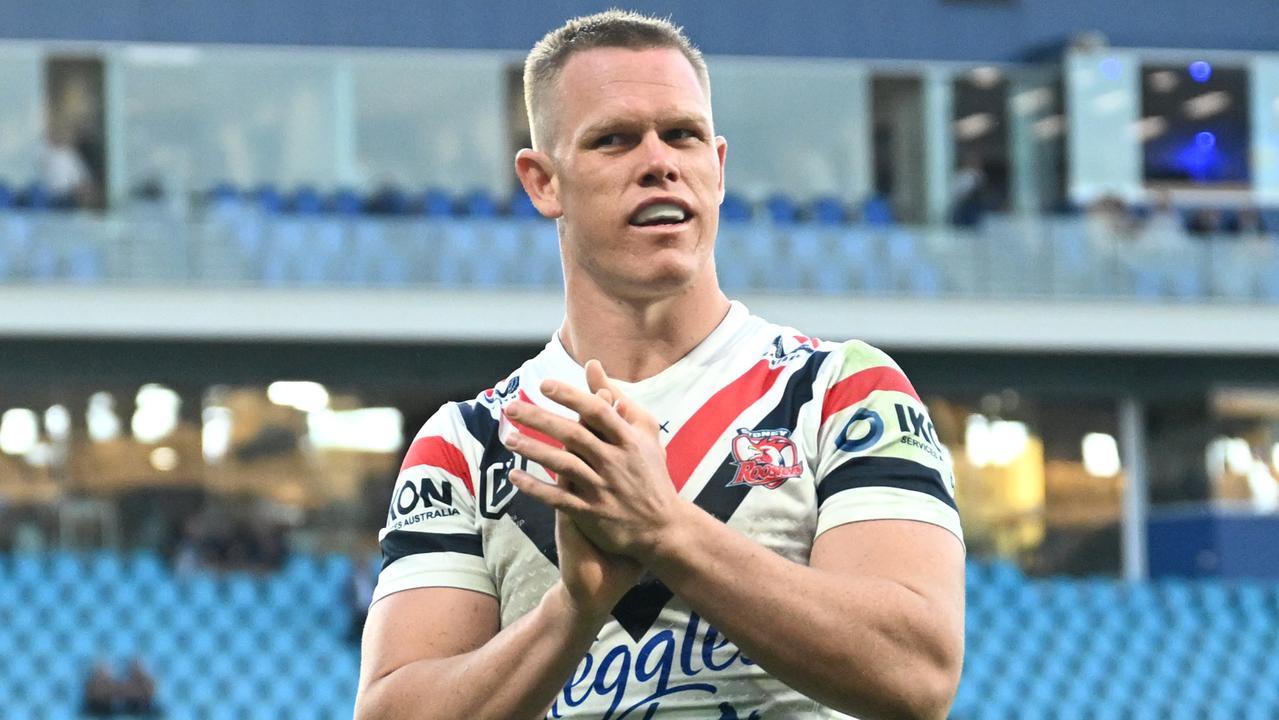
x=600, y=82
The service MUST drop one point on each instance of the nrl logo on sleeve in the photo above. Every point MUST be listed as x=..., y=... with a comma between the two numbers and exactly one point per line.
x=765, y=457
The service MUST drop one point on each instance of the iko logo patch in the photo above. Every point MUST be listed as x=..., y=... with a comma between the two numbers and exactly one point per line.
x=863, y=430
x=765, y=457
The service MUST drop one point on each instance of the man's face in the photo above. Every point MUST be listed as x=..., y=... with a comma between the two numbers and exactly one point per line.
x=638, y=173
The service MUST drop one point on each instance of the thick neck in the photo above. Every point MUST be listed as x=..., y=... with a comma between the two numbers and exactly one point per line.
x=636, y=339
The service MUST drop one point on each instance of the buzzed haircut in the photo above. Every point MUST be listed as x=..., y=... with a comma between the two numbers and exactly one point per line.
x=609, y=29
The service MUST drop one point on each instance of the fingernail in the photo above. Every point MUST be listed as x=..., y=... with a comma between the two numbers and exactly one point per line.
x=513, y=409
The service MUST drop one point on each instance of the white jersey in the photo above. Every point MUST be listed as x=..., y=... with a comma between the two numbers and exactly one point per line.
x=779, y=435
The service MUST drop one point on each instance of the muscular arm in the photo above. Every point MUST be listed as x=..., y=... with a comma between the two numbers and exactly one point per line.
x=437, y=653
x=874, y=627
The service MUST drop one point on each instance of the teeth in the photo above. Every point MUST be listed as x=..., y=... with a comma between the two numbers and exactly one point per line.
x=661, y=212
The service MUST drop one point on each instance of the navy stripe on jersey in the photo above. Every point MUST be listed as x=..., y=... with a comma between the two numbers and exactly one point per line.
x=402, y=543
x=891, y=472
x=535, y=519
x=641, y=605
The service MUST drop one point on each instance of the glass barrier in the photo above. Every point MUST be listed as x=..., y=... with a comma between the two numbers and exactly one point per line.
x=1008, y=257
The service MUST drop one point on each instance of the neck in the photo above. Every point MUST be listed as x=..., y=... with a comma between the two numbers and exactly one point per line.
x=637, y=339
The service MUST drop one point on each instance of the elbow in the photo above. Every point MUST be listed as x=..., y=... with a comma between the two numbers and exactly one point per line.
x=920, y=690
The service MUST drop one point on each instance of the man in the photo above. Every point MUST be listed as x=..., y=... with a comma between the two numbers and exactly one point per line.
x=741, y=522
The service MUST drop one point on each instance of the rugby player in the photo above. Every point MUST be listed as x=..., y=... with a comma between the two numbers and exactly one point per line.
x=677, y=509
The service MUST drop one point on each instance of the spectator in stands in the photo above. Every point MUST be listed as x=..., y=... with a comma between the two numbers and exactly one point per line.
x=1108, y=222
x=1250, y=224
x=1207, y=222
x=136, y=692
x=1163, y=230
x=63, y=171
x=969, y=190
x=100, y=691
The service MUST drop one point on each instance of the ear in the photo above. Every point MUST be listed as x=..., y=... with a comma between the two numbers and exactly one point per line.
x=537, y=175
x=721, y=150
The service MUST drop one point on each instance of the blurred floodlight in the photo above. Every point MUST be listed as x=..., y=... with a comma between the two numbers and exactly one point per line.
x=164, y=459
x=100, y=416
x=1163, y=81
x=1274, y=456
x=977, y=440
x=1101, y=455
x=40, y=455
x=974, y=126
x=157, y=413
x=1110, y=102
x=215, y=435
x=366, y=429
x=1200, y=71
x=1008, y=439
x=302, y=395
x=1238, y=456
x=1206, y=105
x=1029, y=102
x=1149, y=128
x=1050, y=127
x=986, y=76
x=57, y=422
x=19, y=431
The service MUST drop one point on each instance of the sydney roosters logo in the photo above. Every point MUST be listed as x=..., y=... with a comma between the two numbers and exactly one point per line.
x=765, y=457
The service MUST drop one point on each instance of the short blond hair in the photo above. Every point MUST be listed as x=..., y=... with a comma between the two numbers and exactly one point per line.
x=609, y=29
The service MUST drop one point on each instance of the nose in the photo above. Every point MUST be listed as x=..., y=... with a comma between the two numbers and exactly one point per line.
x=659, y=162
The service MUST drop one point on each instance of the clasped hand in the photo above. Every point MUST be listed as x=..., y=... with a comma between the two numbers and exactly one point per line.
x=610, y=475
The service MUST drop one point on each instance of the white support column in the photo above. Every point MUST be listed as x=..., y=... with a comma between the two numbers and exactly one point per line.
x=1136, y=494
x=114, y=103
x=345, y=152
x=939, y=142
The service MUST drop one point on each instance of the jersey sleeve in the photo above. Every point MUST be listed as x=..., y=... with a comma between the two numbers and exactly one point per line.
x=879, y=457
x=432, y=537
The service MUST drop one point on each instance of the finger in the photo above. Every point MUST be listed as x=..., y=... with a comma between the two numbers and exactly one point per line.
x=593, y=411
x=548, y=493
x=599, y=382
x=556, y=460
x=574, y=436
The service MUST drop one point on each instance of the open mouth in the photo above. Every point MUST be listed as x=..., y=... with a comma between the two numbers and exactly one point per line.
x=659, y=214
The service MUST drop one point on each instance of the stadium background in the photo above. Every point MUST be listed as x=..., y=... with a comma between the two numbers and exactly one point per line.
x=295, y=233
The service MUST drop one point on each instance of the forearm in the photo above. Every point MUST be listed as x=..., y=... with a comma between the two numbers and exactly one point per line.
x=516, y=674
x=863, y=645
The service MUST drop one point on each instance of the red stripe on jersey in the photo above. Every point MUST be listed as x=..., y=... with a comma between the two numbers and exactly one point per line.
x=707, y=425
x=438, y=452
x=856, y=387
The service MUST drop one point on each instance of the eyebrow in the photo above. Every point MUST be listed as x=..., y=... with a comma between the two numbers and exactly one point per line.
x=677, y=120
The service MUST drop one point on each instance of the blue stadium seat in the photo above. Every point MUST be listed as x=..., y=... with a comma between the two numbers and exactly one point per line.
x=267, y=199
x=35, y=197
x=436, y=203
x=829, y=211
x=480, y=204
x=345, y=201
x=781, y=209
x=521, y=206
x=876, y=210
x=735, y=209
x=306, y=200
